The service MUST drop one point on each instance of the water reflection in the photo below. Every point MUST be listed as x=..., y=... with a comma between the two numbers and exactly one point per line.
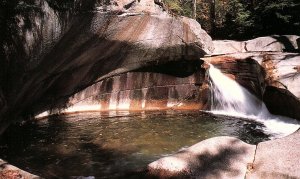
x=109, y=145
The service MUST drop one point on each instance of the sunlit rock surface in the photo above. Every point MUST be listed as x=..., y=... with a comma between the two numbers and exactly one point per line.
x=98, y=43
x=275, y=43
x=219, y=157
x=267, y=66
x=277, y=159
x=228, y=157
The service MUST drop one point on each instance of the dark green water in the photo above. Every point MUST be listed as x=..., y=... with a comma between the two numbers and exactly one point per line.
x=109, y=145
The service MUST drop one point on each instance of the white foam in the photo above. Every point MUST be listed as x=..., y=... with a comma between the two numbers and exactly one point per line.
x=231, y=99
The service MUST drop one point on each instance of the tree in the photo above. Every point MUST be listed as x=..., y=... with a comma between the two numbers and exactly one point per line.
x=212, y=16
x=238, y=21
x=194, y=9
x=277, y=16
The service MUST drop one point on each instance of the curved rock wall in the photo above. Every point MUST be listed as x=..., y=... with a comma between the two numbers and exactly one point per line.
x=142, y=91
x=145, y=89
x=99, y=44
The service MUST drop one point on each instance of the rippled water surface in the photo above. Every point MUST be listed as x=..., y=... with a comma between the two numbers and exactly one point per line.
x=111, y=144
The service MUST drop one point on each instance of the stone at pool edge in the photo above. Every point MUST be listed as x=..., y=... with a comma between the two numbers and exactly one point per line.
x=278, y=159
x=218, y=157
x=9, y=171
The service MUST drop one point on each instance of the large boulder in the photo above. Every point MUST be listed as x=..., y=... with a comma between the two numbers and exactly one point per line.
x=219, y=157
x=99, y=44
x=277, y=159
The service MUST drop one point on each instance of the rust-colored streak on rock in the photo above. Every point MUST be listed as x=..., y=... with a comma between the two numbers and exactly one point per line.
x=185, y=32
x=270, y=69
x=220, y=59
x=189, y=36
x=133, y=28
x=231, y=76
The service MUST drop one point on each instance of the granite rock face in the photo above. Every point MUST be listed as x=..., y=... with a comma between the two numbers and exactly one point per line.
x=219, y=157
x=274, y=159
x=274, y=75
x=271, y=76
x=99, y=44
x=143, y=91
x=275, y=43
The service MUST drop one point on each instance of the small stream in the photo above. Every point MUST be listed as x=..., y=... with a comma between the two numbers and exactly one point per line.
x=113, y=144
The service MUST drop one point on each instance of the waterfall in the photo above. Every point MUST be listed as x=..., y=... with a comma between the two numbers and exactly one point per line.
x=231, y=99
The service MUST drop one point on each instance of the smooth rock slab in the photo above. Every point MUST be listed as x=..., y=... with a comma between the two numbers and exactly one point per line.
x=277, y=159
x=275, y=43
x=228, y=47
x=219, y=157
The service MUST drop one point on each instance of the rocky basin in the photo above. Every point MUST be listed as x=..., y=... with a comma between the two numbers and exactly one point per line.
x=95, y=43
x=134, y=55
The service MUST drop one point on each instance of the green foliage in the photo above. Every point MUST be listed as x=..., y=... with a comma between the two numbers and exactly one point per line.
x=245, y=19
x=278, y=16
x=238, y=19
x=179, y=7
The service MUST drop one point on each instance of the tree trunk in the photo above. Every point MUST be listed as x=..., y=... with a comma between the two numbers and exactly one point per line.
x=194, y=15
x=212, y=17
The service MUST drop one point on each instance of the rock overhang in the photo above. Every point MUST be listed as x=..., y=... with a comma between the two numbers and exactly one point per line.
x=100, y=44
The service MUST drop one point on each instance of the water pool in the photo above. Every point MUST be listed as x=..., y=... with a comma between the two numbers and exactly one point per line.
x=112, y=144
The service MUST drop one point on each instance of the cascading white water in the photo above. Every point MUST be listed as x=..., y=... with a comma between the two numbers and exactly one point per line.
x=230, y=98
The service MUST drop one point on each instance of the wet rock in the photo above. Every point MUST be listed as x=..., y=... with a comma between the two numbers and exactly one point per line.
x=142, y=91
x=282, y=102
x=282, y=92
x=219, y=157
x=99, y=45
x=271, y=76
x=8, y=171
x=242, y=68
